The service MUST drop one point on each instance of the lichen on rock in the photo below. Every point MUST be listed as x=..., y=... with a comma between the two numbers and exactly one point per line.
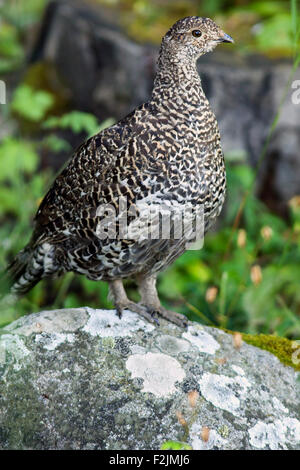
x=85, y=379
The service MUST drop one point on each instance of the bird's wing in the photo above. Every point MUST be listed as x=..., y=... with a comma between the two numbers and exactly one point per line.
x=113, y=163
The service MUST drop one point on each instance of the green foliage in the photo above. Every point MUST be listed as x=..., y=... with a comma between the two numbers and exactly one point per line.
x=295, y=26
x=22, y=185
x=77, y=121
x=11, y=51
x=266, y=26
x=175, y=445
x=31, y=104
x=16, y=156
x=266, y=304
x=56, y=144
x=15, y=17
x=275, y=33
x=22, y=13
x=20, y=190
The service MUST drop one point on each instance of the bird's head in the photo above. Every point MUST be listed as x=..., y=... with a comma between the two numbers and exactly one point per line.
x=191, y=37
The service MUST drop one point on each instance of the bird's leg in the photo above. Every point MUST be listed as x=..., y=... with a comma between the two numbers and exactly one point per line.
x=148, y=292
x=118, y=296
x=150, y=304
x=149, y=298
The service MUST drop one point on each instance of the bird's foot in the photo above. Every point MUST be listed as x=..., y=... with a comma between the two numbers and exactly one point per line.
x=146, y=313
x=151, y=313
x=174, y=317
x=149, y=307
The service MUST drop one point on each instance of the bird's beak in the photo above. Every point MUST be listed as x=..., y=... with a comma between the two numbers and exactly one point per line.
x=225, y=38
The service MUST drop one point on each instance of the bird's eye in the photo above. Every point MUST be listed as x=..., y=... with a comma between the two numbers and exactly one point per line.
x=196, y=33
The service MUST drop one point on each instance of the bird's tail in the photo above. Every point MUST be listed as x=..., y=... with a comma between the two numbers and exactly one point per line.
x=22, y=274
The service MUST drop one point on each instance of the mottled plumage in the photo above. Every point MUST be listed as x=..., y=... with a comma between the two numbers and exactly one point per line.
x=167, y=151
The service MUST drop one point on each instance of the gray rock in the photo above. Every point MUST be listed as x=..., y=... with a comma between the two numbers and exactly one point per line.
x=84, y=379
x=105, y=72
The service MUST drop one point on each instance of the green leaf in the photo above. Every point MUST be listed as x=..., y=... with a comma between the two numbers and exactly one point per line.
x=56, y=144
x=77, y=121
x=276, y=33
x=264, y=8
x=22, y=13
x=199, y=271
x=175, y=445
x=31, y=104
x=16, y=156
x=9, y=42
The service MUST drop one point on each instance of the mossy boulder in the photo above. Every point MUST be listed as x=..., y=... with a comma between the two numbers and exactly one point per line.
x=84, y=379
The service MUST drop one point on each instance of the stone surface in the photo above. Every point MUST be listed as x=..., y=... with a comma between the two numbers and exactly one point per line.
x=84, y=379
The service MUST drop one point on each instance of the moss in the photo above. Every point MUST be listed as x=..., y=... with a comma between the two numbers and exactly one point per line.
x=280, y=347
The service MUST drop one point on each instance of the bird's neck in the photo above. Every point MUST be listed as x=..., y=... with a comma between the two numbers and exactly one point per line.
x=177, y=82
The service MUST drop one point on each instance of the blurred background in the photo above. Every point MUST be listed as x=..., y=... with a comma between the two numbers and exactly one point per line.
x=70, y=68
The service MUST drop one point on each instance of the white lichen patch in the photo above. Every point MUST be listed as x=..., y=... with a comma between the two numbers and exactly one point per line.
x=277, y=435
x=214, y=439
x=13, y=345
x=279, y=406
x=238, y=370
x=52, y=341
x=202, y=340
x=224, y=392
x=159, y=372
x=51, y=321
x=172, y=345
x=107, y=323
x=136, y=349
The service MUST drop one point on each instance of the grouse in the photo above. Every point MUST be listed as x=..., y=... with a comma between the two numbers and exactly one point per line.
x=166, y=154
